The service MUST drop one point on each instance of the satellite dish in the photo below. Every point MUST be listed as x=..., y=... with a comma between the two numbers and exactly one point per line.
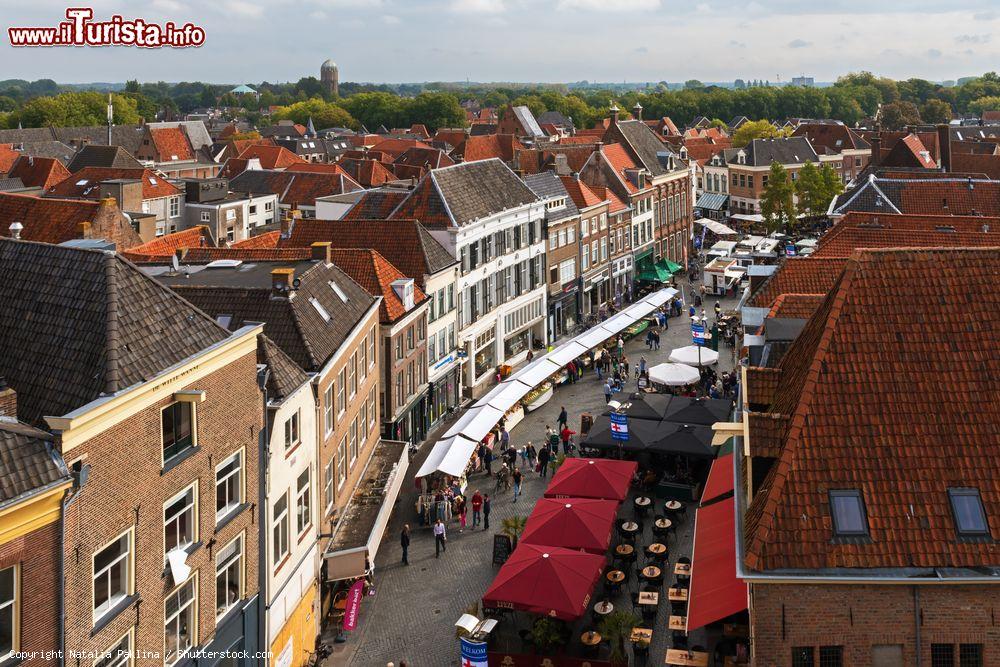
x=175, y=263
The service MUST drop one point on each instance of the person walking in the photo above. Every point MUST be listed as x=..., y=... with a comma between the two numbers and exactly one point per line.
x=553, y=442
x=488, y=461
x=486, y=512
x=477, y=507
x=460, y=510
x=565, y=434
x=440, y=537
x=504, y=438
x=543, y=462
x=563, y=417
x=404, y=541
x=532, y=455
x=621, y=347
x=517, y=483
x=607, y=391
x=642, y=365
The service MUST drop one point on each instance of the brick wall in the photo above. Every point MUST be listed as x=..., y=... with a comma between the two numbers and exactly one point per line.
x=37, y=554
x=8, y=401
x=860, y=617
x=127, y=488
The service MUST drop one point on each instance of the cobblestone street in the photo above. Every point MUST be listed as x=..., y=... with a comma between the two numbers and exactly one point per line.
x=412, y=614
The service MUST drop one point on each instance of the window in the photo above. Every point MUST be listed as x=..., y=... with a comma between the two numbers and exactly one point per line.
x=362, y=361
x=371, y=348
x=341, y=391
x=399, y=347
x=303, y=502
x=253, y=210
x=8, y=612
x=970, y=655
x=328, y=487
x=269, y=206
x=119, y=654
x=230, y=215
x=848, y=512
x=228, y=486
x=409, y=339
x=967, y=507
x=342, y=462
x=229, y=577
x=354, y=440
x=399, y=389
x=372, y=414
x=178, y=432
x=175, y=207
x=802, y=656
x=831, y=656
x=180, y=628
x=180, y=520
x=112, y=574
x=206, y=216
x=279, y=530
x=352, y=374
x=292, y=431
x=328, y=409
x=942, y=655
x=319, y=308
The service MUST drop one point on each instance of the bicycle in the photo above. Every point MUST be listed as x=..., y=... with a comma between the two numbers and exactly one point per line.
x=502, y=479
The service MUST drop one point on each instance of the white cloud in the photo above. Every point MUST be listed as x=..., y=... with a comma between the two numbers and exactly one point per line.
x=798, y=44
x=973, y=39
x=478, y=6
x=168, y=6
x=388, y=19
x=243, y=9
x=608, y=5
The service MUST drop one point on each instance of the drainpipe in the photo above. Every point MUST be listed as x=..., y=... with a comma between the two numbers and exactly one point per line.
x=916, y=621
x=62, y=576
x=263, y=477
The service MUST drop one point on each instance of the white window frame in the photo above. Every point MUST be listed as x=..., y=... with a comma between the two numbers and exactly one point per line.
x=293, y=430
x=279, y=527
x=342, y=462
x=15, y=607
x=222, y=567
x=175, y=207
x=193, y=508
x=328, y=410
x=192, y=628
x=303, y=502
x=129, y=558
x=328, y=495
x=238, y=473
x=206, y=216
x=117, y=655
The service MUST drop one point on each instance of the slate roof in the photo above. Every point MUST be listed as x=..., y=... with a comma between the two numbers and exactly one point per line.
x=78, y=324
x=114, y=157
x=922, y=196
x=38, y=172
x=50, y=148
x=86, y=183
x=527, y=121
x=28, y=462
x=798, y=275
x=896, y=411
x=644, y=145
x=285, y=376
x=431, y=158
x=555, y=118
x=786, y=150
x=404, y=243
x=547, y=185
x=129, y=137
x=468, y=191
x=295, y=325
x=376, y=274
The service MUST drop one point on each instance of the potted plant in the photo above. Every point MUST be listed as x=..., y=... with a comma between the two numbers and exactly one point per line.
x=545, y=634
x=512, y=527
x=616, y=628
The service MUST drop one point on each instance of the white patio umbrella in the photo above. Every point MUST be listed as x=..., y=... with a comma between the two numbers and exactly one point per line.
x=674, y=375
x=694, y=355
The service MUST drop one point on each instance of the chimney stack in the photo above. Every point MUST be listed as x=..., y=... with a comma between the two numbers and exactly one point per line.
x=614, y=113
x=85, y=230
x=321, y=251
x=637, y=111
x=8, y=400
x=281, y=282
x=944, y=146
x=876, y=143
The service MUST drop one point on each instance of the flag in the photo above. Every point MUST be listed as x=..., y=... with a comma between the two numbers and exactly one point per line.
x=473, y=653
x=619, y=426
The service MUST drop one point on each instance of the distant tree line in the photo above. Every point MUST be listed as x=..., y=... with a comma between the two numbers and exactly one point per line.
x=852, y=98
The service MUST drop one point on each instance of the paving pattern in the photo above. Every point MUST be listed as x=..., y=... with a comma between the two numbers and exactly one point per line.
x=411, y=617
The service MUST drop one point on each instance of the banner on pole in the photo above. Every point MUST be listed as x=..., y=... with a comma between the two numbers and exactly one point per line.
x=698, y=334
x=353, y=607
x=619, y=426
x=473, y=653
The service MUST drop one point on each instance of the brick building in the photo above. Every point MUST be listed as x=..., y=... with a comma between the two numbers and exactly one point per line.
x=867, y=502
x=595, y=258
x=146, y=398
x=750, y=165
x=53, y=220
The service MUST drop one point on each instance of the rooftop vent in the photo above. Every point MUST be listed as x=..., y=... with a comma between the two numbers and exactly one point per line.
x=15, y=230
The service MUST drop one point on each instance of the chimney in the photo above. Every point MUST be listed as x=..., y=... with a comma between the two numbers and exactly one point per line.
x=637, y=111
x=281, y=282
x=321, y=251
x=15, y=229
x=876, y=143
x=8, y=400
x=85, y=230
x=944, y=146
x=614, y=113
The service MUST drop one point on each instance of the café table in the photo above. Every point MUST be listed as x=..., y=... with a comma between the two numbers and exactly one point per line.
x=678, y=623
x=616, y=576
x=642, y=504
x=603, y=608
x=651, y=598
x=630, y=527
x=682, y=569
x=624, y=550
x=590, y=638
x=682, y=658
x=677, y=594
x=651, y=573
x=641, y=635
x=673, y=505
x=656, y=549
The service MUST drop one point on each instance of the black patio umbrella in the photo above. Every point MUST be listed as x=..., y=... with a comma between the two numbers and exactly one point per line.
x=641, y=433
x=638, y=406
x=685, y=439
x=703, y=411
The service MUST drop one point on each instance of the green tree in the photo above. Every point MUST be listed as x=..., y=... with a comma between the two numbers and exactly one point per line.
x=75, y=109
x=988, y=103
x=435, y=110
x=324, y=114
x=132, y=86
x=693, y=84
x=935, y=111
x=374, y=109
x=756, y=129
x=777, y=202
x=897, y=115
x=832, y=185
x=616, y=629
x=815, y=187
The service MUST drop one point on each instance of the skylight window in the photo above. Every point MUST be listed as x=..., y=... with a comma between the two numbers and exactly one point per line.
x=152, y=180
x=848, y=511
x=339, y=292
x=82, y=182
x=224, y=320
x=970, y=517
x=320, y=309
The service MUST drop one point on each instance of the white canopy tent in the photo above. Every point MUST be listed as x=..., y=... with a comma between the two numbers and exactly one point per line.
x=508, y=395
x=621, y=321
x=657, y=299
x=694, y=355
x=592, y=338
x=484, y=421
x=450, y=456
x=674, y=375
x=536, y=372
x=806, y=243
x=716, y=227
x=564, y=354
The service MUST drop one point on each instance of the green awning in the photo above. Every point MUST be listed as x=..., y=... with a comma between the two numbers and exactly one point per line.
x=668, y=266
x=646, y=269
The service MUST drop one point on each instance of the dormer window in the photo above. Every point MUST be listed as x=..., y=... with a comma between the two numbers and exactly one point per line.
x=848, y=511
x=970, y=517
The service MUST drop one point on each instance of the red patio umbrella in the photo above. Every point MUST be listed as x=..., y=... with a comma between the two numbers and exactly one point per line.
x=548, y=581
x=592, y=478
x=573, y=523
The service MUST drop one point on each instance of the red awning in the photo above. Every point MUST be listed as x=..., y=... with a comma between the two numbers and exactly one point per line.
x=572, y=523
x=715, y=591
x=592, y=478
x=720, y=479
x=548, y=581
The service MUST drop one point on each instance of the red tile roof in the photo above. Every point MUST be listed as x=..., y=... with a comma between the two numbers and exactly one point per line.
x=375, y=274
x=271, y=157
x=369, y=173
x=891, y=392
x=616, y=206
x=39, y=172
x=867, y=230
x=487, y=146
x=233, y=167
x=575, y=140
x=8, y=156
x=162, y=248
x=431, y=158
x=47, y=219
x=830, y=138
x=451, y=137
x=796, y=306
x=798, y=275
x=620, y=160
x=987, y=165
x=318, y=168
x=582, y=195
x=86, y=183
x=375, y=205
x=396, y=147
x=265, y=240
x=171, y=144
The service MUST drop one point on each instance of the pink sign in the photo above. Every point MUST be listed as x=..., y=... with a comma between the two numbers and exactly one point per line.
x=353, y=605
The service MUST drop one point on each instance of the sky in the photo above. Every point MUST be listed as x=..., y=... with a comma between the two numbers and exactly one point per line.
x=525, y=40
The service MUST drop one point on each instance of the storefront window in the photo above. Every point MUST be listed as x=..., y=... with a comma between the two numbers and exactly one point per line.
x=516, y=344
x=485, y=360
